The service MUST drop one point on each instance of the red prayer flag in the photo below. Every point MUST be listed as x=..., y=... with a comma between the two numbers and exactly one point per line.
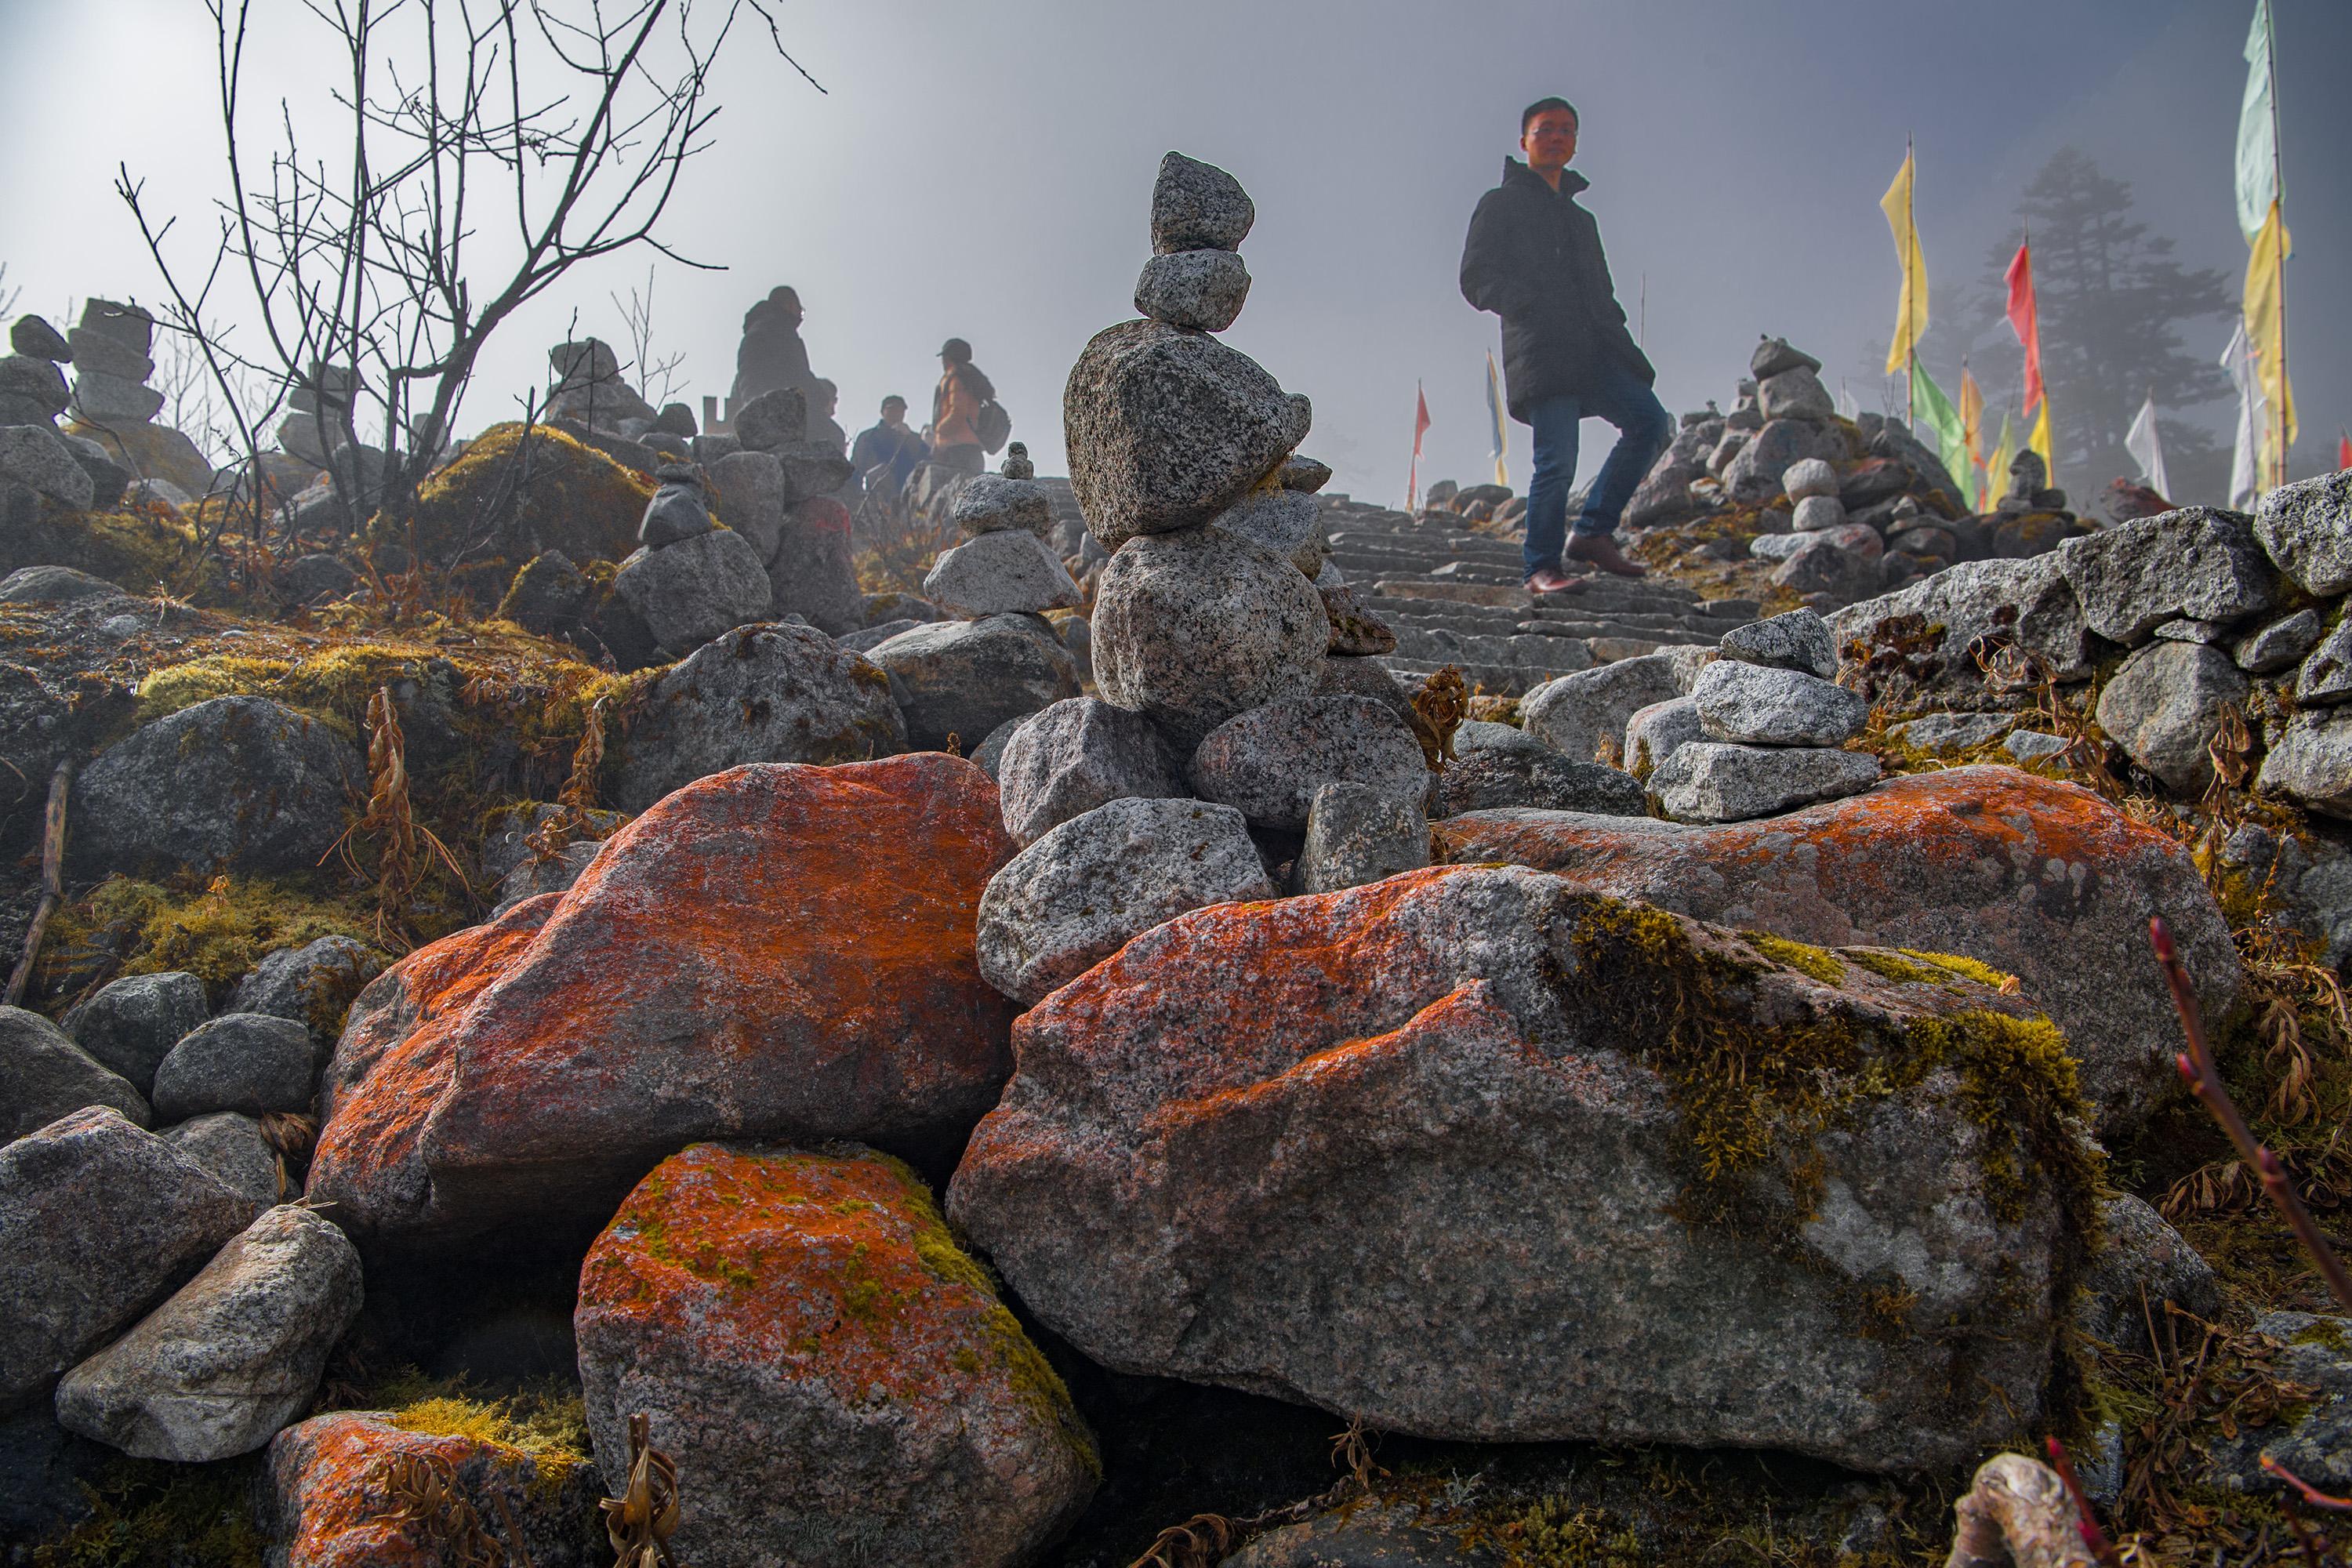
x=1419, y=426
x=2025, y=320
x=2344, y=451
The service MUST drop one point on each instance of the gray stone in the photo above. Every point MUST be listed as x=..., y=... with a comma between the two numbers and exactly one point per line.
x=249, y=1062
x=1080, y=893
x=1753, y=475
x=32, y=336
x=1366, y=1533
x=868, y=638
x=1355, y=677
x=1284, y=521
x=1200, y=289
x=131, y=1025
x=312, y=985
x=748, y=487
x=100, y=1220
x=2033, y=746
x=1198, y=206
x=237, y=784
x=1167, y=428
x=231, y=1146
x=1356, y=631
x=1572, y=713
x=1710, y=781
x=1657, y=731
x=130, y=325
x=1268, y=762
x=2314, y=1440
x=2312, y=762
x=1534, y=776
x=159, y=492
x=54, y=586
x=770, y=420
x=1191, y=628
x=676, y=511
x=2266, y=650
x=2306, y=528
x=298, y=435
x=2325, y=678
x=231, y=1358
x=2144, y=1264
x=114, y=400
x=771, y=693
x=963, y=679
x=2164, y=706
x=1950, y=732
x=48, y=1076
x=1428, y=1110
x=2306, y=883
x=1978, y=603
x=1078, y=636
x=1827, y=564
x=1081, y=752
x=1815, y=514
x=1772, y=357
x=1778, y=546
x=34, y=381
x=35, y=456
x=811, y=469
x=1764, y=705
x=988, y=503
x=1798, y=640
x=2197, y=561
x=553, y=874
x=96, y=353
x=1796, y=393
x=1357, y=833
x=1808, y=477
x=1304, y=474
x=2207, y=632
x=676, y=419
x=1007, y=571
x=1486, y=735
x=688, y=593
x=309, y=579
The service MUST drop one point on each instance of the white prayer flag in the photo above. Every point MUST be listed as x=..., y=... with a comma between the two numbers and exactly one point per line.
x=2238, y=359
x=2147, y=448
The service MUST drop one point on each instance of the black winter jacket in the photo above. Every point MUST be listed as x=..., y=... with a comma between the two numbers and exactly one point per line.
x=1533, y=257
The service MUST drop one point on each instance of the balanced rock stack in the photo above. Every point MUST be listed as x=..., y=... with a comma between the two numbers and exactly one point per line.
x=1003, y=566
x=775, y=487
x=692, y=579
x=1762, y=731
x=1243, y=736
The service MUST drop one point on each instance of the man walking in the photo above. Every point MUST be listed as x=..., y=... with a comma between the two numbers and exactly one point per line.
x=1533, y=257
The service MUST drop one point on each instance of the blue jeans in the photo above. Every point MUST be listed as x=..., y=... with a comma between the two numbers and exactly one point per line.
x=1644, y=428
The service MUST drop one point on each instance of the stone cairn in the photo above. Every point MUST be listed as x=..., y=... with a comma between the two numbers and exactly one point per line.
x=1004, y=566
x=71, y=469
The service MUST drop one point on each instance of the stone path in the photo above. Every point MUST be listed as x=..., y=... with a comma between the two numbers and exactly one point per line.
x=1453, y=597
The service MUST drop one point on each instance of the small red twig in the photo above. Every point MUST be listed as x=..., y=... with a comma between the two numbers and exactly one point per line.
x=2095, y=1540
x=2309, y=1493
x=2196, y=1065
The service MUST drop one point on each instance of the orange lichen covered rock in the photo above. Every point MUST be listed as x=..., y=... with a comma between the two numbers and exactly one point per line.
x=836, y=1381
x=1475, y=1155
x=2035, y=877
x=334, y=1495
x=778, y=950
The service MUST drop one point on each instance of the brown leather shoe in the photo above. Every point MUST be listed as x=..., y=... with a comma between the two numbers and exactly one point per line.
x=1601, y=550
x=1552, y=580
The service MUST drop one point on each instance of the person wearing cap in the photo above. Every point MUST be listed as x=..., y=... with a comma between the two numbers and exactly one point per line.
x=885, y=452
x=955, y=410
x=1533, y=257
x=771, y=354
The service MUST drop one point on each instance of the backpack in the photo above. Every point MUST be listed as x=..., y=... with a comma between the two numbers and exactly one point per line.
x=995, y=426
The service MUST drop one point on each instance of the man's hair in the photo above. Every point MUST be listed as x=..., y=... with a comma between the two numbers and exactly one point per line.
x=1528, y=115
x=894, y=397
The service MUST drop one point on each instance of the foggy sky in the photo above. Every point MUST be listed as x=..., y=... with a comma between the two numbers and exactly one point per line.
x=983, y=170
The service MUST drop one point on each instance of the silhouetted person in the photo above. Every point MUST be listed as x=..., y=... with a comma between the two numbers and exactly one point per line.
x=955, y=410
x=1533, y=257
x=825, y=401
x=771, y=354
x=885, y=452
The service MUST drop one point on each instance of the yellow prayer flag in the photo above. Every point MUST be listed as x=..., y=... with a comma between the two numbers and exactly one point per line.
x=1972, y=435
x=2040, y=441
x=1997, y=466
x=2265, y=308
x=1911, y=311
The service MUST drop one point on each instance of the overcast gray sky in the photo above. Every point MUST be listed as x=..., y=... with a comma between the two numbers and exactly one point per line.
x=982, y=171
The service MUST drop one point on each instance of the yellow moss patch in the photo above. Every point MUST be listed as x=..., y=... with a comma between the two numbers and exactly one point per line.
x=1893, y=966
x=1802, y=957
x=217, y=934
x=1963, y=965
x=507, y=498
x=143, y=1511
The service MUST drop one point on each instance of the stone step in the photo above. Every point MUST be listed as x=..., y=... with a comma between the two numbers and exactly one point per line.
x=1495, y=680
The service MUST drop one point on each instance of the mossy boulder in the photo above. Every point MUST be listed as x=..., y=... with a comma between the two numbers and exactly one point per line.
x=1471, y=1154
x=838, y=1378
x=512, y=495
x=138, y=549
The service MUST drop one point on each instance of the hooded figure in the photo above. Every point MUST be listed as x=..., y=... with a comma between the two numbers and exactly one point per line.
x=771, y=354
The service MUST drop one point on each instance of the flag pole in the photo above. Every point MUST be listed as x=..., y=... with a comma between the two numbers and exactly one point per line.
x=2278, y=194
x=1911, y=223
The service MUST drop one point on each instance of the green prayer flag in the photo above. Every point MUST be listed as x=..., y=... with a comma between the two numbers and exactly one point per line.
x=1932, y=411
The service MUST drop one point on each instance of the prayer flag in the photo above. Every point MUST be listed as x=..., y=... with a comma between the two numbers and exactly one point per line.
x=1997, y=466
x=2257, y=131
x=2238, y=359
x=1420, y=428
x=1495, y=413
x=2025, y=320
x=1911, y=310
x=2041, y=441
x=1972, y=435
x=2147, y=447
x=2265, y=306
x=1932, y=409
x=2343, y=450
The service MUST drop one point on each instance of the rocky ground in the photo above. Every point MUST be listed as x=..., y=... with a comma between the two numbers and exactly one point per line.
x=1163, y=1017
